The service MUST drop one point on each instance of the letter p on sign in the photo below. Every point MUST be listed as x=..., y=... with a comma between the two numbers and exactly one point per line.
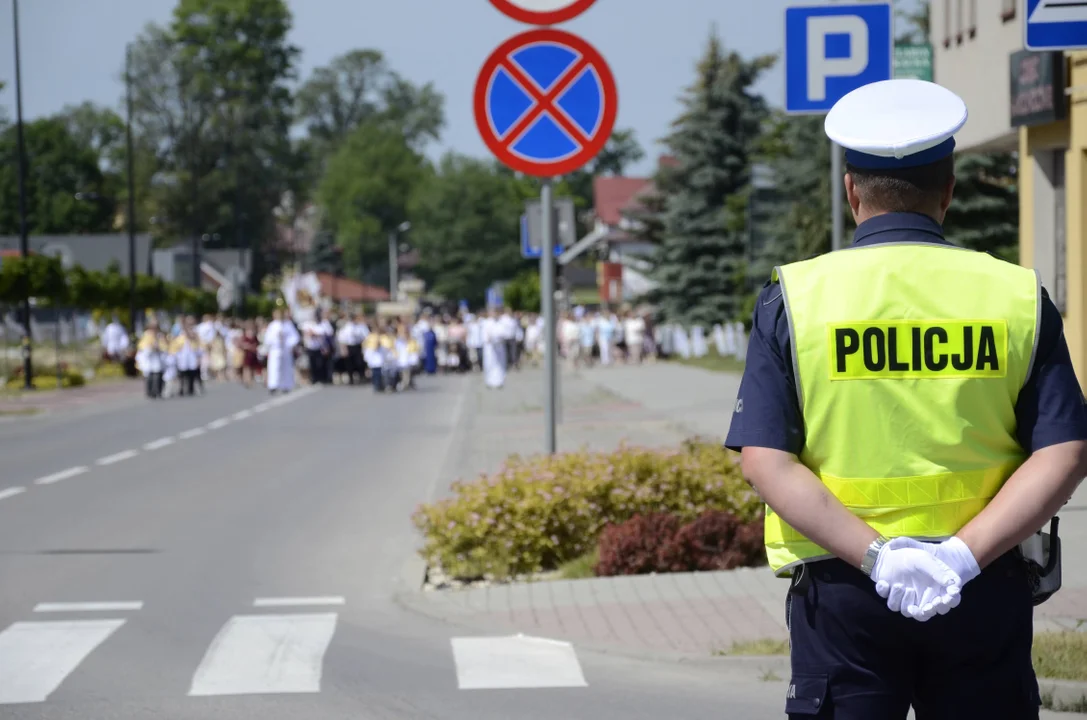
x=831, y=50
x=837, y=47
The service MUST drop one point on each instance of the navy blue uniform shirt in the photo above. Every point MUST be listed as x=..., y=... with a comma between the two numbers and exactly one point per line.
x=1050, y=408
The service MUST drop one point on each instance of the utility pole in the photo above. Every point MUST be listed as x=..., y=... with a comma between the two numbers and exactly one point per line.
x=132, y=309
x=24, y=239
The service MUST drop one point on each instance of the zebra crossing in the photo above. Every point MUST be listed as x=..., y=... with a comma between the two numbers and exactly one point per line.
x=277, y=646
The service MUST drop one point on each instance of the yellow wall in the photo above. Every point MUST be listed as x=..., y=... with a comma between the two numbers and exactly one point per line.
x=1071, y=134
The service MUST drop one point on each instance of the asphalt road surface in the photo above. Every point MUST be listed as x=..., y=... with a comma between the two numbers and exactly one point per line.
x=234, y=556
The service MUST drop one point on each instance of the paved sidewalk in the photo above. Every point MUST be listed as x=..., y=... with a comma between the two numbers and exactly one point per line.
x=690, y=614
x=41, y=401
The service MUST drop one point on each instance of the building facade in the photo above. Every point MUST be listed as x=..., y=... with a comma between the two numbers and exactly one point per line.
x=1034, y=103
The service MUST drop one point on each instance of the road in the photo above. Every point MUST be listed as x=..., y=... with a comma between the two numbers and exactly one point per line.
x=231, y=556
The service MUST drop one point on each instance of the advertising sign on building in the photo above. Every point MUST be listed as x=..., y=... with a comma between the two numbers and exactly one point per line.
x=1037, y=88
x=913, y=62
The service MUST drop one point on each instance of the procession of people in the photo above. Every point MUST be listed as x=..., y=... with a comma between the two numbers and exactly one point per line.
x=386, y=354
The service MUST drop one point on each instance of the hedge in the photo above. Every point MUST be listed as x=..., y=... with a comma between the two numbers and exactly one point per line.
x=538, y=513
x=48, y=281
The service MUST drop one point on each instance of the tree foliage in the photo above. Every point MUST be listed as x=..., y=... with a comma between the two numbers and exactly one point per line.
x=700, y=265
x=984, y=212
x=365, y=193
x=465, y=217
x=58, y=169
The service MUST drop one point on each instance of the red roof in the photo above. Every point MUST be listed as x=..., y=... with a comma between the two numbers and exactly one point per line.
x=611, y=194
x=14, y=253
x=348, y=290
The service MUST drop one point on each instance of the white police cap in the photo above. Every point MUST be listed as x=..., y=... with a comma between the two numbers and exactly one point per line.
x=896, y=124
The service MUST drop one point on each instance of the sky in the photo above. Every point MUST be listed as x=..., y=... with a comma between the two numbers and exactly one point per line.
x=73, y=50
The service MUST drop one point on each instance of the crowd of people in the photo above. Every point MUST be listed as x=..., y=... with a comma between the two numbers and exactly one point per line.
x=387, y=354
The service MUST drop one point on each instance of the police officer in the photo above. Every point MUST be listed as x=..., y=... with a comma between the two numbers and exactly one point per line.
x=907, y=388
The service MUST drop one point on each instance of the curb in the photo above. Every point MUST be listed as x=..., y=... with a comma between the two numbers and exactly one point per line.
x=1063, y=695
x=413, y=573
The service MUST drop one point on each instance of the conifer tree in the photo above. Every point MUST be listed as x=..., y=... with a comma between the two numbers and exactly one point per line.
x=700, y=264
x=984, y=213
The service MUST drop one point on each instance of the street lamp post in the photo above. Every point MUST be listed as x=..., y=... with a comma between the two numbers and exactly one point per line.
x=394, y=258
x=24, y=240
x=131, y=194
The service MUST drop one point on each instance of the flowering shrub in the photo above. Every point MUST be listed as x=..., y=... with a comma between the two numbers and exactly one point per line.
x=537, y=513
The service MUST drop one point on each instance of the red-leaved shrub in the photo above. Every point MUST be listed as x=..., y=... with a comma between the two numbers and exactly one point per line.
x=633, y=547
x=716, y=540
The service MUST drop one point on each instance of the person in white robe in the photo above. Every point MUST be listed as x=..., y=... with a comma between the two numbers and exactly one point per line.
x=682, y=342
x=114, y=340
x=494, y=351
x=474, y=340
x=206, y=331
x=741, y=340
x=698, y=342
x=730, y=340
x=719, y=340
x=280, y=340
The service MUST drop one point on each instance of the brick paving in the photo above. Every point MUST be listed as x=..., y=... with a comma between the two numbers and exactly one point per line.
x=687, y=614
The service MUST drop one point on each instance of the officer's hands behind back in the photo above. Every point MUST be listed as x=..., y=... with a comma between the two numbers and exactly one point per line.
x=915, y=582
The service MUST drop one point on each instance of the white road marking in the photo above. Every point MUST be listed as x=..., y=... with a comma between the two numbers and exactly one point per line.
x=296, y=601
x=11, y=492
x=35, y=657
x=62, y=475
x=262, y=407
x=47, y=607
x=216, y=424
x=111, y=459
x=189, y=434
x=491, y=663
x=159, y=444
x=243, y=414
x=257, y=654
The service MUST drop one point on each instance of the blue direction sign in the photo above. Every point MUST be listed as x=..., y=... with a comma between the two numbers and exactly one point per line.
x=1056, y=25
x=545, y=102
x=529, y=250
x=831, y=50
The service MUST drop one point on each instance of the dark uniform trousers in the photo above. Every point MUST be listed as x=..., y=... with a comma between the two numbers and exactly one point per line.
x=854, y=659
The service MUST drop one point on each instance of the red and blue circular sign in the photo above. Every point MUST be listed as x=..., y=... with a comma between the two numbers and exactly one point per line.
x=542, y=12
x=545, y=102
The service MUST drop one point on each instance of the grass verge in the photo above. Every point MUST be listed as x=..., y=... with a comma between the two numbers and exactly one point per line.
x=1061, y=655
x=579, y=568
x=763, y=647
x=714, y=362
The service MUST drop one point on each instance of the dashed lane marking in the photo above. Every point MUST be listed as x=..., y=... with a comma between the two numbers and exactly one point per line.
x=62, y=475
x=11, y=492
x=116, y=457
x=159, y=444
x=189, y=434
x=216, y=424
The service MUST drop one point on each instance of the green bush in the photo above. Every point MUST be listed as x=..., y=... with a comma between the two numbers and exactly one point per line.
x=537, y=513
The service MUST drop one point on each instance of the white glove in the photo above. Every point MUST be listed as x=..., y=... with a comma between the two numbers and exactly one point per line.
x=954, y=553
x=915, y=582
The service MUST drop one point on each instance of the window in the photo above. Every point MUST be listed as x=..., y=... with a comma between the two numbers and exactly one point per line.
x=973, y=18
x=958, y=21
x=947, y=23
x=1007, y=9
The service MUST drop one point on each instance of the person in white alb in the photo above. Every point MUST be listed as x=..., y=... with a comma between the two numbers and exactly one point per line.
x=474, y=340
x=634, y=332
x=494, y=351
x=280, y=340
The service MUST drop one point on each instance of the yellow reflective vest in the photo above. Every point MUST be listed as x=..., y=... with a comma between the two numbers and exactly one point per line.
x=908, y=360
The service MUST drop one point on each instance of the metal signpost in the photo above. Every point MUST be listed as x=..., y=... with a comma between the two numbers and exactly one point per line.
x=1055, y=25
x=831, y=50
x=563, y=221
x=545, y=105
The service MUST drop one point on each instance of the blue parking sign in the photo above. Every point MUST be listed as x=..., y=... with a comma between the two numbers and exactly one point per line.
x=831, y=50
x=1055, y=25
